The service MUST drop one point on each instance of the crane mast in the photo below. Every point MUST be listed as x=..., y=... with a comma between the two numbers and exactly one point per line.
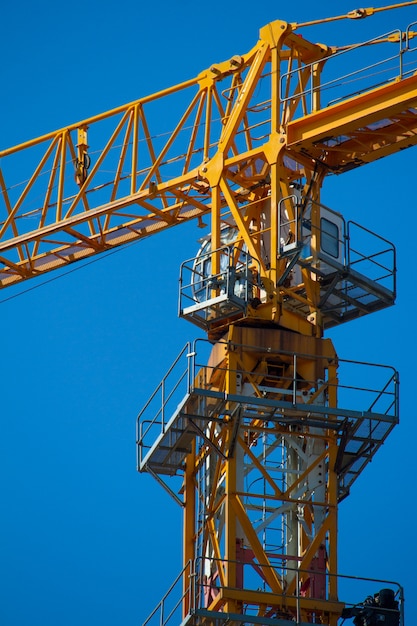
x=259, y=429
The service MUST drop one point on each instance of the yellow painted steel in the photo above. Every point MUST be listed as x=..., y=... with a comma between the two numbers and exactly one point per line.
x=358, y=14
x=77, y=209
x=343, y=135
x=259, y=357
x=253, y=138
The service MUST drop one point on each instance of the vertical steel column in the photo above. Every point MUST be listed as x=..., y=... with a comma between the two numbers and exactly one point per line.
x=189, y=528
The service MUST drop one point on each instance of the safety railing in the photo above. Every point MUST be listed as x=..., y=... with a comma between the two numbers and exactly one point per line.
x=170, y=608
x=338, y=84
x=355, y=268
x=163, y=402
x=342, y=245
x=364, y=600
x=411, y=39
x=207, y=296
x=366, y=392
x=379, y=263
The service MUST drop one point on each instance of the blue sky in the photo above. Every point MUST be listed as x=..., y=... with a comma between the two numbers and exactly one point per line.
x=85, y=539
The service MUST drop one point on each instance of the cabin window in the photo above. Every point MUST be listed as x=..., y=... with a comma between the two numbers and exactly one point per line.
x=329, y=242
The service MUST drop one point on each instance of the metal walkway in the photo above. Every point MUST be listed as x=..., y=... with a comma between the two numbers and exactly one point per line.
x=360, y=433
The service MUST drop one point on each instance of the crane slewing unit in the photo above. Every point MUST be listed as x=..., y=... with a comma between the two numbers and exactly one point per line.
x=259, y=429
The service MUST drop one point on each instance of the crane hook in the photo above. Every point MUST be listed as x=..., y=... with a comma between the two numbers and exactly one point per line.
x=83, y=161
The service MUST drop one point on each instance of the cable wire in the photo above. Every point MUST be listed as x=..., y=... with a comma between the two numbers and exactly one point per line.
x=71, y=271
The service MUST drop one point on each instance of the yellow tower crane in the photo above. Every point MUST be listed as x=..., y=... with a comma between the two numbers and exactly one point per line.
x=263, y=424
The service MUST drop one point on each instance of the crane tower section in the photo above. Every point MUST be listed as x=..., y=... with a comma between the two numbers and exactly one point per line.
x=266, y=439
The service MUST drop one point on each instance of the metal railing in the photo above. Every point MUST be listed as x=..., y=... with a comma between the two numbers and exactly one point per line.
x=379, y=264
x=206, y=296
x=162, y=403
x=342, y=245
x=410, y=36
x=362, y=389
x=170, y=608
x=384, y=68
x=188, y=598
